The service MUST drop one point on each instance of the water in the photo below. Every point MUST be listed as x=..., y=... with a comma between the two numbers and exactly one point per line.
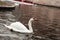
x=46, y=26
x=7, y=18
x=47, y=23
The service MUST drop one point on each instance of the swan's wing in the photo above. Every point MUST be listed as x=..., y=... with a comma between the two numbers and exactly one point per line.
x=18, y=26
x=21, y=30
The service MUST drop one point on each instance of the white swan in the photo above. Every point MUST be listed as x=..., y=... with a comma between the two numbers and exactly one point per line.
x=19, y=27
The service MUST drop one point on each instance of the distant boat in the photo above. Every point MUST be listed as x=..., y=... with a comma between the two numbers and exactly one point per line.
x=18, y=2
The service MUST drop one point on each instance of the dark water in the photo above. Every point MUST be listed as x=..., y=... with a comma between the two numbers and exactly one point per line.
x=46, y=26
x=47, y=23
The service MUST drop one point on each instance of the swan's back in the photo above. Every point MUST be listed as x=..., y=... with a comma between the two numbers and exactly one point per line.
x=18, y=26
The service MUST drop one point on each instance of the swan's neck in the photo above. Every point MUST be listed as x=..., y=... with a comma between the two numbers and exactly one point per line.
x=30, y=25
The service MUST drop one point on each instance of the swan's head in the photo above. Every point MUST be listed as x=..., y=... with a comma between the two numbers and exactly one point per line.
x=31, y=19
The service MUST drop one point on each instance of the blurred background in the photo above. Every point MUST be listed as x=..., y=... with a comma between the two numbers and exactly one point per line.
x=47, y=14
